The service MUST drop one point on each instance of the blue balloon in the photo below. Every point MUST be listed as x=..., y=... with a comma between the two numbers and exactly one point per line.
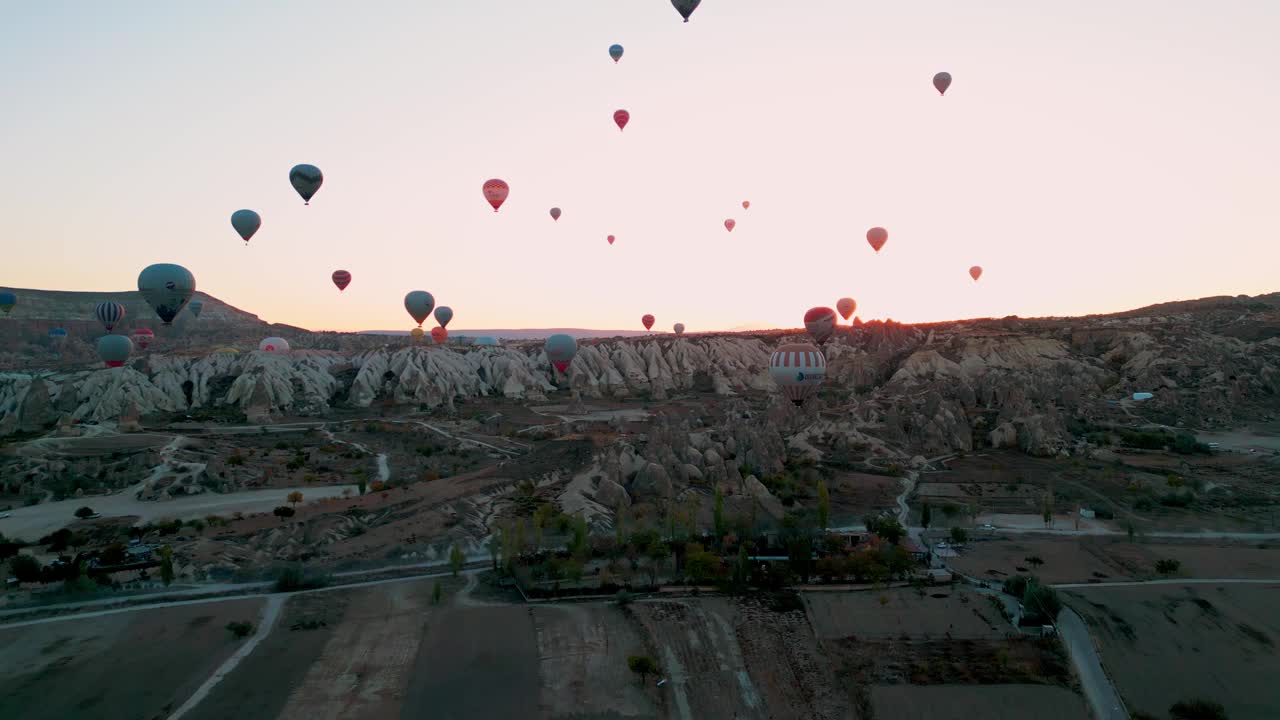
x=615, y=52
x=561, y=349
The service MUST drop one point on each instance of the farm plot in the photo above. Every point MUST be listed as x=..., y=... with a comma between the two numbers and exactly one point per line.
x=964, y=702
x=582, y=658
x=895, y=612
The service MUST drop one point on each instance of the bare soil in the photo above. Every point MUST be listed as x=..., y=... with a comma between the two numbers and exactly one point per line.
x=898, y=612
x=967, y=702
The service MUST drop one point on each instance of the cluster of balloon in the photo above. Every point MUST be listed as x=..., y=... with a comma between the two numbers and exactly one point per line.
x=820, y=322
x=685, y=7
x=555, y=213
x=114, y=350
x=975, y=272
x=142, y=337
x=195, y=306
x=678, y=328
x=419, y=303
x=647, y=321
x=798, y=369
x=615, y=52
x=621, y=118
x=560, y=350
x=439, y=335
x=730, y=224
x=341, y=278
x=306, y=179
x=877, y=237
x=246, y=223
x=274, y=345
x=109, y=313
x=496, y=191
x=7, y=301
x=166, y=288
x=846, y=307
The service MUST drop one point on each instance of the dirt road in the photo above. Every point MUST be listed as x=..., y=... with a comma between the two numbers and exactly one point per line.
x=1097, y=687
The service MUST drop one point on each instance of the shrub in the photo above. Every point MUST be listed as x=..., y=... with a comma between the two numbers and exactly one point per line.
x=240, y=628
x=283, y=511
x=236, y=458
x=25, y=568
x=84, y=511
x=1197, y=709
x=295, y=577
x=1168, y=566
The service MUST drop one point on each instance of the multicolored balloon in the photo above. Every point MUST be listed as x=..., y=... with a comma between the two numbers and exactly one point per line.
x=306, y=179
x=679, y=328
x=142, y=337
x=877, y=236
x=57, y=335
x=444, y=314
x=195, y=306
x=439, y=335
x=846, y=307
x=798, y=369
x=975, y=272
x=109, y=313
x=555, y=213
x=615, y=52
x=820, y=322
x=166, y=288
x=685, y=7
x=621, y=118
x=419, y=303
x=647, y=321
x=7, y=301
x=341, y=278
x=274, y=344
x=561, y=349
x=496, y=191
x=941, y=82
x=246, y=223
x=114, y=349
x=730, y=224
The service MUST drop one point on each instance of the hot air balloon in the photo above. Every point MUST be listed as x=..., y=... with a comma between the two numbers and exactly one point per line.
x=610, y=239
x=560, y=350
x=679, y=328
x=274, y=344
x=419, y=304
x=555, y=213
x=246, y=223
x=417, y=334
x=820, y=322
x=877, y=236
x=798, y=369
x=166, y=288
x=685, y=7
x=57, y=336
x=109, y=313
x=342, y=279
x=647, y=321
x=496, y=191
x=846, y=307
x=439, y=335
x=7, y=301
x=225, y=349
x=306, y=179
x=730, y=224
x=114, y=349
x=195, y=306
x=1140, y=396
x=485, y=340
x=444, y=314
x=975, y=272
x=142, y=337
x=942, y=81
x=615, y=52
x=621, y=117
x=746, y=204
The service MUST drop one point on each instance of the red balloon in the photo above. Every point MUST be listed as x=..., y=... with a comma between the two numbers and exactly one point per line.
x=611, y=239
x=142, y=337
x=729, y=224
x=622, y=117
x=555, y=213
x=877, y=236
x=746, y=204
x=495, y=191
x=439, y=334
x=820, y=322
x=975, y=272
x=648, y=321
x=342, y=279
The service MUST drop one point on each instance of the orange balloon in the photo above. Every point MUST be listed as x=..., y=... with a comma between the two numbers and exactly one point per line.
x=975, y=272
x=439, y=334
x=877, y=236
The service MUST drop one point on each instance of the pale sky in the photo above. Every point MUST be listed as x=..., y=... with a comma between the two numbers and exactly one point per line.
x=1092, y=156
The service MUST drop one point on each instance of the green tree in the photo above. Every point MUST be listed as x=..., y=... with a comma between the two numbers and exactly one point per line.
x=436, y=593
x=1046, y=509
x=580, y=546
x=166, y=565
x=456, y=559
x=25, y=568
x=1041, y=600
x=84, y=512
x=926, y=515
x=742, y=569
x=362, y=484
x=699, y=564
x=1034, y=561
x=886, y=527
x=824, y=506
x=283, y=511
x=295, y=497
x=959, y=534
x=240, y=628
x=1168, y=566
x=717, y=515
x=642, y=665
x=495, y=545
x=1197, y=709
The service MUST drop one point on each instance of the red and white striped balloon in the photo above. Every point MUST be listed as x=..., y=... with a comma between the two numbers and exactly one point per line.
x=798, y=369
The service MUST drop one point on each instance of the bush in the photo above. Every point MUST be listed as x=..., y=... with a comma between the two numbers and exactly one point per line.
x=236, y=458
x=283, y=511
x=84, y=512
x=1168, y=566
x=1197, y=709
x=959, y=535
x=25, y=568
x=295, y=577
x=240, y=629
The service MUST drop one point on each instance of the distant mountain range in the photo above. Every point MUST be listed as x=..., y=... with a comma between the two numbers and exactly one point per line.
x=524, y=334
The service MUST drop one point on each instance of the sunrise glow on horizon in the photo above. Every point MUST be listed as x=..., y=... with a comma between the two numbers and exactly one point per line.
x=1091, y=158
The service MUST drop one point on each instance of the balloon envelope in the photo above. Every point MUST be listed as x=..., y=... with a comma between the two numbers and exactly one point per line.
x=611, y=239
x=419, y=303
x=555, y=213
x=114, y=349
x=647, y=320
x=798, y=369
x=679, y=328
x=846, y=307
x=444, y=314
x=439, y=335
x=57, y=334
x=142, y=337
x=615, y=52
x=417, y=333
x=341, y=278
x=166, y=288
x=496, y=191
x=195, y=306
x=1142, y=396
x=306, y=179
x=877, y=236
x=820, y=322
x=274, y=344
x=246, y=223
x=975, y=272
x=7, y=301
x=942, y=81
x=685, y=7
x=560, y=350
x=109, y=313
x=621, y=117
x=729, y=224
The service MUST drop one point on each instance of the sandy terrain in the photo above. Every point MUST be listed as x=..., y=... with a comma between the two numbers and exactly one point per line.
x=967, y=702
x=1165, y=643
x=582, y=659
x=961, y=613
x=128, y=665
